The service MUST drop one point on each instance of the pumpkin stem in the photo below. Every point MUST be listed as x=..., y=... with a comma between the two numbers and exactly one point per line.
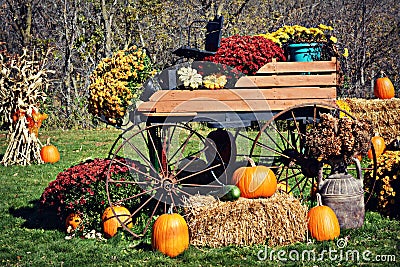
x=319, y=199
x=251, y=161
x=170, y=211
x=48, y=141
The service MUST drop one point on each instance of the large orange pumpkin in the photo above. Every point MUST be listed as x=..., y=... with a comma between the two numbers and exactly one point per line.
x=255, y=181
x=379, y=145
x=110, y=221
x=170, y=234
x=383, y=87
x=323, y=223
x=49, y=153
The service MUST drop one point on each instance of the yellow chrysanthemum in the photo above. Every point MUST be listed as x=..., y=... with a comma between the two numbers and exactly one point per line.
x=345, y=53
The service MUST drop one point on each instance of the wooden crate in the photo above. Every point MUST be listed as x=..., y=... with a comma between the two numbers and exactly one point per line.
x=275, y=87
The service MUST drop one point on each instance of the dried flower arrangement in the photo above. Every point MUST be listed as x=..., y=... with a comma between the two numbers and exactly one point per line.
x=336, y=141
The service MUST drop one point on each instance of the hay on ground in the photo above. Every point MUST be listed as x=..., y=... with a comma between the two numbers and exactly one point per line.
x=278, y=220
x=383, y=114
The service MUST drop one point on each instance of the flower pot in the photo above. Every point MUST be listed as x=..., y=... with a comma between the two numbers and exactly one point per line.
x=304, y=52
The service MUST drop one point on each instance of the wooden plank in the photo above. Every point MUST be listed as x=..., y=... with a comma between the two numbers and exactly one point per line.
x=248, y=93
x=168, y=114
x=206, y=105
x=298, y=67
x=286, y=80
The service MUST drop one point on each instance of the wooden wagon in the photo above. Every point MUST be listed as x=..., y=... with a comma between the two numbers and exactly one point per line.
x=185, y=142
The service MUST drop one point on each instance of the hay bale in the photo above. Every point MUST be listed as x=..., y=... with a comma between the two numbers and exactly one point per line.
x=383, y=114
x=278, y=220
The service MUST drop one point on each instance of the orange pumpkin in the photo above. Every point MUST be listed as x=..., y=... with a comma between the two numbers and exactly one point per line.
x=49, y=153
x=110, y=221
x=170, y=234
x=323, y=223
x=379, y=145
x=255, y=181
x=72, y=222
x=383, y=87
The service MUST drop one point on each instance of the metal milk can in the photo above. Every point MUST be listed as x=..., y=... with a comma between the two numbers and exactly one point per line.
x=344, y=194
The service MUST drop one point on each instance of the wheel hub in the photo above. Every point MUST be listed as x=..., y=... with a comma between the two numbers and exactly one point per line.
x=168, y=184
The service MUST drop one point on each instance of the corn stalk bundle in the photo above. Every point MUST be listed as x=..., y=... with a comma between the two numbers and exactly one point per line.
x=22, y=83
x=382, y=113
x=278, y=220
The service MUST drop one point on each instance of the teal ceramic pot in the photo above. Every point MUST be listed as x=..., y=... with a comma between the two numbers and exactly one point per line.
x=304, y=52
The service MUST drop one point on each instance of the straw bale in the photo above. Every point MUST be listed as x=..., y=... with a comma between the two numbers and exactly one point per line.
x=278, y=220
x=383, y=114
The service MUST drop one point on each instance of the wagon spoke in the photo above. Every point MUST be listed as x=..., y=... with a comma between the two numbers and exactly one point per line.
x=181, y=148
x=152, y=214
x=136, y=170
x=199, y=172
x=145, y=192
x=143, y=157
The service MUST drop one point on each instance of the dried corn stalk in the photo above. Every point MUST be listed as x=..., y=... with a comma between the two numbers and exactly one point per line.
x=22, y=83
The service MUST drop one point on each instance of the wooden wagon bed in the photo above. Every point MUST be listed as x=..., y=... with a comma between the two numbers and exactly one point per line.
x=275, y=87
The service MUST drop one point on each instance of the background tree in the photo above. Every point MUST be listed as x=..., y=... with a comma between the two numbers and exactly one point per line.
x=82, y=32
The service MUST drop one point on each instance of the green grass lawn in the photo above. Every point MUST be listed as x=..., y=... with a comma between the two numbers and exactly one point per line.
x=30, y=236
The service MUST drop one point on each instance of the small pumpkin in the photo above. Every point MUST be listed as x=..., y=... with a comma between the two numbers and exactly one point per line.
x=379, y=145
x=72, y=222
x=110, y=221
x=49, y=153
x=323, y=223
x=383, y=87
x=170, y=234
x=255, y=181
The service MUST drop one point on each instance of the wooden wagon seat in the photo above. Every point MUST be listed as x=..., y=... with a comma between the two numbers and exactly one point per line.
x=275, y=87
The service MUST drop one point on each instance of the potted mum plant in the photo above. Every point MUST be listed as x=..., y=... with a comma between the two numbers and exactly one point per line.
x=116, y=83
x=305, y=44
x=247, y=54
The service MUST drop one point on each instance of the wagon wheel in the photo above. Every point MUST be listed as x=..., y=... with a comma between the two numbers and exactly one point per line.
x=167, y=163
x=280, y=145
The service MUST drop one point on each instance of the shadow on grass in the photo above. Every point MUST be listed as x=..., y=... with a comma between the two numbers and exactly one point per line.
x=36, y=217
